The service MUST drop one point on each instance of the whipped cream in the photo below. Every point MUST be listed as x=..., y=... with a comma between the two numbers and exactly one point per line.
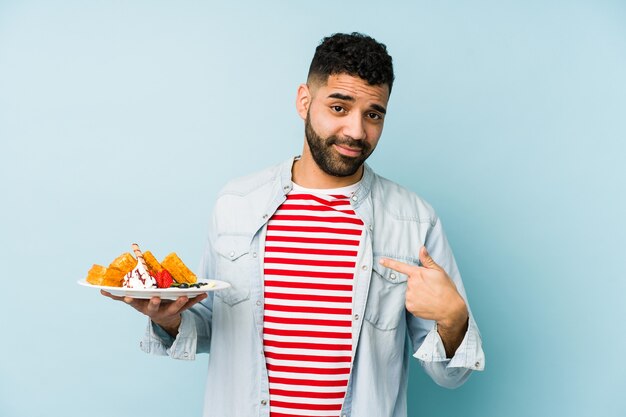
x=139, y=278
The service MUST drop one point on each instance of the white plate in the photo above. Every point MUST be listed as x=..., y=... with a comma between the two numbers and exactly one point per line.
x=164, y=293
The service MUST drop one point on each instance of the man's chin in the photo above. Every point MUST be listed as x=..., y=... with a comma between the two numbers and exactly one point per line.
x=343, y=169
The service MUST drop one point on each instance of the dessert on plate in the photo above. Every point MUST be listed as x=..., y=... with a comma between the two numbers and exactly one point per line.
x=143, y=271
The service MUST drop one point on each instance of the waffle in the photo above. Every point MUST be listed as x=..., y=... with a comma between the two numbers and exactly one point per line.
x=154, y=267
x=116, y=271
x=96, y=274
x=178, y=269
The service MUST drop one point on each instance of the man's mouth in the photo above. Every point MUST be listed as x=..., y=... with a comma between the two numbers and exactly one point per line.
x=348, y=151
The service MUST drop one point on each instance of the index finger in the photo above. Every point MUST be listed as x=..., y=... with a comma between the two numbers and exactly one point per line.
x=397, y=266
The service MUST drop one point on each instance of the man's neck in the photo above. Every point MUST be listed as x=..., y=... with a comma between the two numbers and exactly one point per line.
x=306, y=173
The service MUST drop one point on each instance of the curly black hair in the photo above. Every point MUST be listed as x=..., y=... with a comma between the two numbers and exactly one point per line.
x=354, y=54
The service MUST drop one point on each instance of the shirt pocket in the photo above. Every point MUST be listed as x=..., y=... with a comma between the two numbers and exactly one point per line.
x=235, y=266
x=386, y=299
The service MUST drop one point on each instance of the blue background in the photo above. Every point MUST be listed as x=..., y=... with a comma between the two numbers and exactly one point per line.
x=120, y=120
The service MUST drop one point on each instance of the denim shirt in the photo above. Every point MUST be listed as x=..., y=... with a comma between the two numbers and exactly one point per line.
x=229, y=323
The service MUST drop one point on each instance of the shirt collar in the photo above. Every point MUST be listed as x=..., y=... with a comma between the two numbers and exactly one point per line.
x=359, y=195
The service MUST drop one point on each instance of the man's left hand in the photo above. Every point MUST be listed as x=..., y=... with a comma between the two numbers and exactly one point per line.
x=432, y=295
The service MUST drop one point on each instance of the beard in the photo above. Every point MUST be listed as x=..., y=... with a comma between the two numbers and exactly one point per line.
x=328, y=159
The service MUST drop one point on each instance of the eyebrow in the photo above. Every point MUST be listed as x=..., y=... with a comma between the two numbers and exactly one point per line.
x=379, y=108
x=341, y=97
x=344, y=97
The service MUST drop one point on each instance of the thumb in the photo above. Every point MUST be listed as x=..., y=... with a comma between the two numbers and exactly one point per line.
x=426, y=260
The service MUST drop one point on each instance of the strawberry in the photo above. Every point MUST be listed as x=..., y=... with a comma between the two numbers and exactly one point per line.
x=164, y=279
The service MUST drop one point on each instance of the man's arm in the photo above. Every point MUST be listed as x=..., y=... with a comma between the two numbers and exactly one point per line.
x=179, y=328
x=452, y=335
x=443, y=332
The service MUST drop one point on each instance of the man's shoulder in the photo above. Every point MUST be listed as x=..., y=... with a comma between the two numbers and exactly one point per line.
x=251, y=182
x=401, y=201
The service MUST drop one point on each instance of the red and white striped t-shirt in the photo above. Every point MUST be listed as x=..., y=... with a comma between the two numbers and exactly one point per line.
x=311, y=251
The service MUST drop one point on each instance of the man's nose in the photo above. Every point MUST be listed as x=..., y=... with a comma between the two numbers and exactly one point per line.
x=354, y=127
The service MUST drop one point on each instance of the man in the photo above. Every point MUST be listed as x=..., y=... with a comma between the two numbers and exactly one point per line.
x=337, y=275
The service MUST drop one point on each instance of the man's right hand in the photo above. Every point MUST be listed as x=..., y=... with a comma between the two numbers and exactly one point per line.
x=165, y=313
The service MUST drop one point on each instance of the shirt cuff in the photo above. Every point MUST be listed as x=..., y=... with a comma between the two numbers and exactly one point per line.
x=157, y=341
x=468, y=355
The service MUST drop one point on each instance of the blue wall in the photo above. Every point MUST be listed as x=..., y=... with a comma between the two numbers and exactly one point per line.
x=119, y=121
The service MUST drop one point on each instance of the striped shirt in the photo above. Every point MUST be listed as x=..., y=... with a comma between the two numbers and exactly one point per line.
x=311, y=251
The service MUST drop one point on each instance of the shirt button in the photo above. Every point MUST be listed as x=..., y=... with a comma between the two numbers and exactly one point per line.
x=286, y=188
x=263, y=402
x=254, y=255
x=392, y=276
x=258, y=302
x=232, y=254
x=186, y=354
x=356, y=316
x=477, y=364
x=265, y=216
x=364, y=267
x=354, y=198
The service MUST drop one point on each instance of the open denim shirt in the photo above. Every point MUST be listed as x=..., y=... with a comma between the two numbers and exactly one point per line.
x=229, y=323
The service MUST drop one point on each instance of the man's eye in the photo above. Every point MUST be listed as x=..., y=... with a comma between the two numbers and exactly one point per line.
x=337, y=109
x=374, y=116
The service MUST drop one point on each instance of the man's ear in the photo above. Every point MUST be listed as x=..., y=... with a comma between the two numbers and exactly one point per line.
x=303, y=100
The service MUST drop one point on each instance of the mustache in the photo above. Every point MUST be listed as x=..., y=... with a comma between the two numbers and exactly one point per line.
x=347, y=141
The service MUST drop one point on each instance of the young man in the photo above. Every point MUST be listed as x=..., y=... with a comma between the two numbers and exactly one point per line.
x=337, y=275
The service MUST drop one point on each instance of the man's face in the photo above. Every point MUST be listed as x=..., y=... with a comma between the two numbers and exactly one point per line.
x=344, y=122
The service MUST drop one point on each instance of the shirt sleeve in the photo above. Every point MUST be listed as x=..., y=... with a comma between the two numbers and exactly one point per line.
x=469, y=354
x=157, y=341
x=428, y=346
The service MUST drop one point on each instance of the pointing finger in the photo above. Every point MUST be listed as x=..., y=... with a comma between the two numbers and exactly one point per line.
x=397, y=266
